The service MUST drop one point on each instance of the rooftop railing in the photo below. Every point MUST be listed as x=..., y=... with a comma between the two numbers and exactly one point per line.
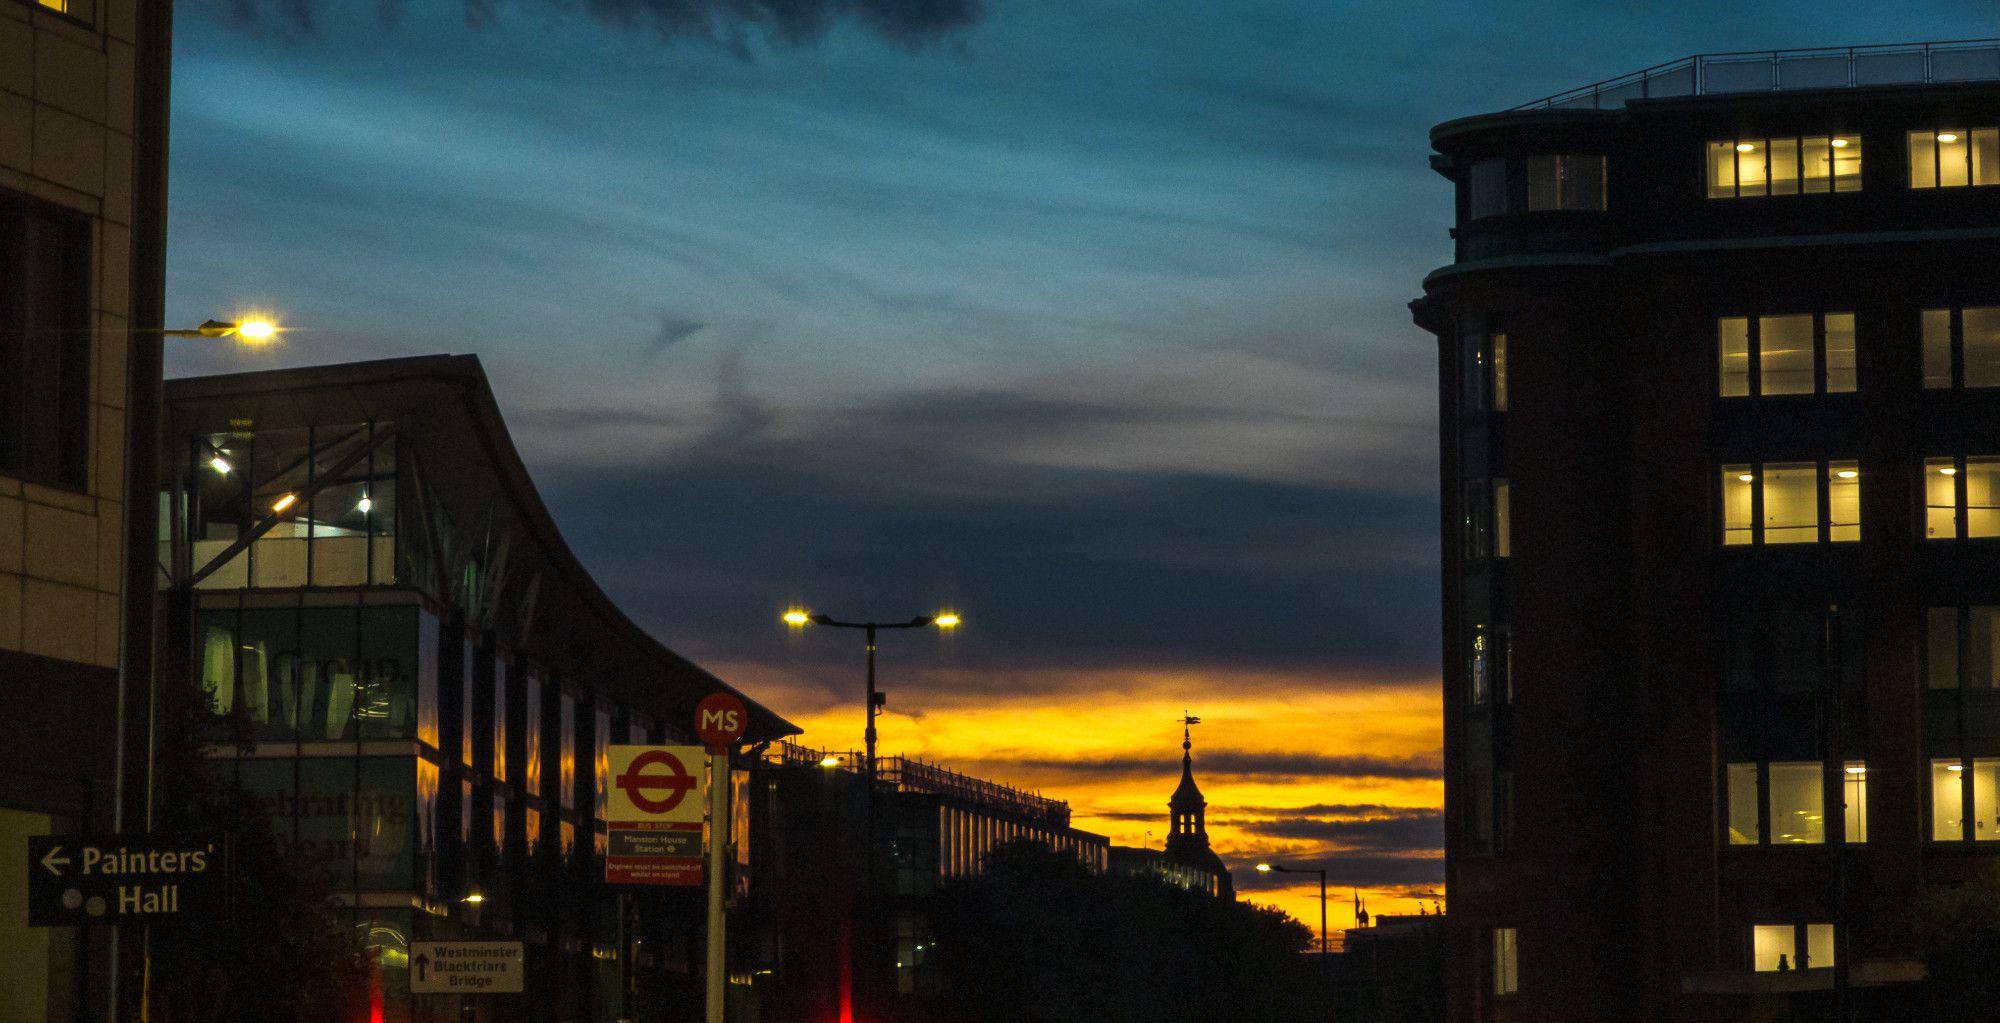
x=910, y=775
x=1839, y=67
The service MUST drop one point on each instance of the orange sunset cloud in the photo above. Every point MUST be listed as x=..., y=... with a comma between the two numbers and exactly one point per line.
x=1308, y=772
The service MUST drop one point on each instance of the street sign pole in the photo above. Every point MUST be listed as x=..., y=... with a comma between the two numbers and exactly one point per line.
x=718, y=844
x=719, y=721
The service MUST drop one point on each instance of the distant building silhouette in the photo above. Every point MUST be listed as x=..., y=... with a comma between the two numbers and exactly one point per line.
x=1187, y=860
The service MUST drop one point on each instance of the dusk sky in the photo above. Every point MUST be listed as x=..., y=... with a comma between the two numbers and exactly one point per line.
x=1087, y=319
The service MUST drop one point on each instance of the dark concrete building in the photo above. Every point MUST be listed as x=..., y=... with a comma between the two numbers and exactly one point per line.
x=359, y=570
x=837, y=932
x=1719, y=356
x=83, y=142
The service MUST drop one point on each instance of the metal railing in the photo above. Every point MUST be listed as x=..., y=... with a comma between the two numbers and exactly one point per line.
x=1836, y=67
x=909, y=775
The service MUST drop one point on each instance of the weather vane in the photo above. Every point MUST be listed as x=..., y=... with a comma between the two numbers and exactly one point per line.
x=1187, y=720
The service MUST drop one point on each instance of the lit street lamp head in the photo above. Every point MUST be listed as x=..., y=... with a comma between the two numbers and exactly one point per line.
x=1264, y=868
x=946, y=620
x=796, y=617
x=253, y=330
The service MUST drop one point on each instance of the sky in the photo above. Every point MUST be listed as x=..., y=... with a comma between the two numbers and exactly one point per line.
x=1087, y=320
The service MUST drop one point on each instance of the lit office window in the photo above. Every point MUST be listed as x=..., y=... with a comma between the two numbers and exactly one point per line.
x=1485, y=520
x=1780, y=947
x=1791, y=502
x=1790, y=493
x=1741, y=168
x=1961, y=347
x=1503, y=520
x=1498, y=350
x=1801, y=353
x=1506, y=961
x=1798, y=803
x=1961, y=498
x=1954, y=789
x=1954, y=157
x=1854, y=794
x=1567, y=182
x=1482, y=372
x=1486, y=665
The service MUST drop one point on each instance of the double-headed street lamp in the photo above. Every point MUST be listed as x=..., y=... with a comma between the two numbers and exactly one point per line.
x=946, y=620
x=1266, y=868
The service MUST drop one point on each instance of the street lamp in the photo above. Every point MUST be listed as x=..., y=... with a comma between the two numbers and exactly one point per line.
x=799, y=618
x=249, y=330
x=1266, y=868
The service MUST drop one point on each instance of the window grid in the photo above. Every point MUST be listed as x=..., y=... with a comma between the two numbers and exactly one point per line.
x=1961, y=347
x=1811, y=164
x=1791, y=502
x=1954, y=157
x=1961, y=497
x=1794, y=353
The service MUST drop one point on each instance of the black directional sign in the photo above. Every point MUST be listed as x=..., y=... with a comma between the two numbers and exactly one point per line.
x=126, y=879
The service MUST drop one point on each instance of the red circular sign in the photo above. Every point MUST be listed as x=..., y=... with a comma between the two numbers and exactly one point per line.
x=720, y=719
x=636, y=783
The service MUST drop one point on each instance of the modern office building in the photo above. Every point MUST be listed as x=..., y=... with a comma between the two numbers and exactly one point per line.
x=360, y=571
x=838, y=934
x=82, y=165
x=1719, y=356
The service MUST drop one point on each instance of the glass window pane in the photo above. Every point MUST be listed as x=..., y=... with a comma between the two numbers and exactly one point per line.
x=1795, y=649
x=1476, y=515
x=215, y=637
x=1854, y=793
x=1947, y=801
x=1503, y=528
x=1798, y=803
x=1986, y=156
x=1784, y=166
x=267, y=674
x=1923, y=159
x=1499, y=346
x=1839, y=352
x=1544, y=183
x=1743, y=827
x=1819, y=947
x=1937, y=348
x=1791, y=502
x=1981, y=666
x=1582, y=182
x=1750, y=167
x=1722, y=170
x=1738, y=488
x=1472, y=369
x=1843, y=501
x=566, y=754
x=1785, y=354
x=1487, y=189
x=1941, y=648
x=1954, y=158
x=1772, y=947
x=1985, y=811
x=1816, y=154
x=1480, y=666
x=1980, y=330
x=1982, y=496
x=531, y=732
x=1940, y=499
x=1847, y=163
x=1506, y=961
x=1733, y=348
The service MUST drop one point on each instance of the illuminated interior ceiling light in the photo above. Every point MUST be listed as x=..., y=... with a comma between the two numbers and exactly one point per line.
x=1746, y=147
x=1745, y=478
x=1945, y=136
x=220, y=465
x=284, y=502
x=1840, y=143
x=1857, y=769
x=1949, y=470
x=1955, y=767
x=365, y=506
x=1847, y=474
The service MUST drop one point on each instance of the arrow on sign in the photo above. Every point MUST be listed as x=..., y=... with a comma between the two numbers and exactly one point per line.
x=423, y=967
x=51, y=861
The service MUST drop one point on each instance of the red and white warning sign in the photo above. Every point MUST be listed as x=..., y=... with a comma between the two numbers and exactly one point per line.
x=654, y=815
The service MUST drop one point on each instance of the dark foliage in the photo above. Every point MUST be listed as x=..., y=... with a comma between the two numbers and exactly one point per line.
x=283, y=954
x=1959, y=928
x=1037, y=938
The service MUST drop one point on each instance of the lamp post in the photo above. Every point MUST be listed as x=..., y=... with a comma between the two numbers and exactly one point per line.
x=944, y=620
x=1266, y=868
